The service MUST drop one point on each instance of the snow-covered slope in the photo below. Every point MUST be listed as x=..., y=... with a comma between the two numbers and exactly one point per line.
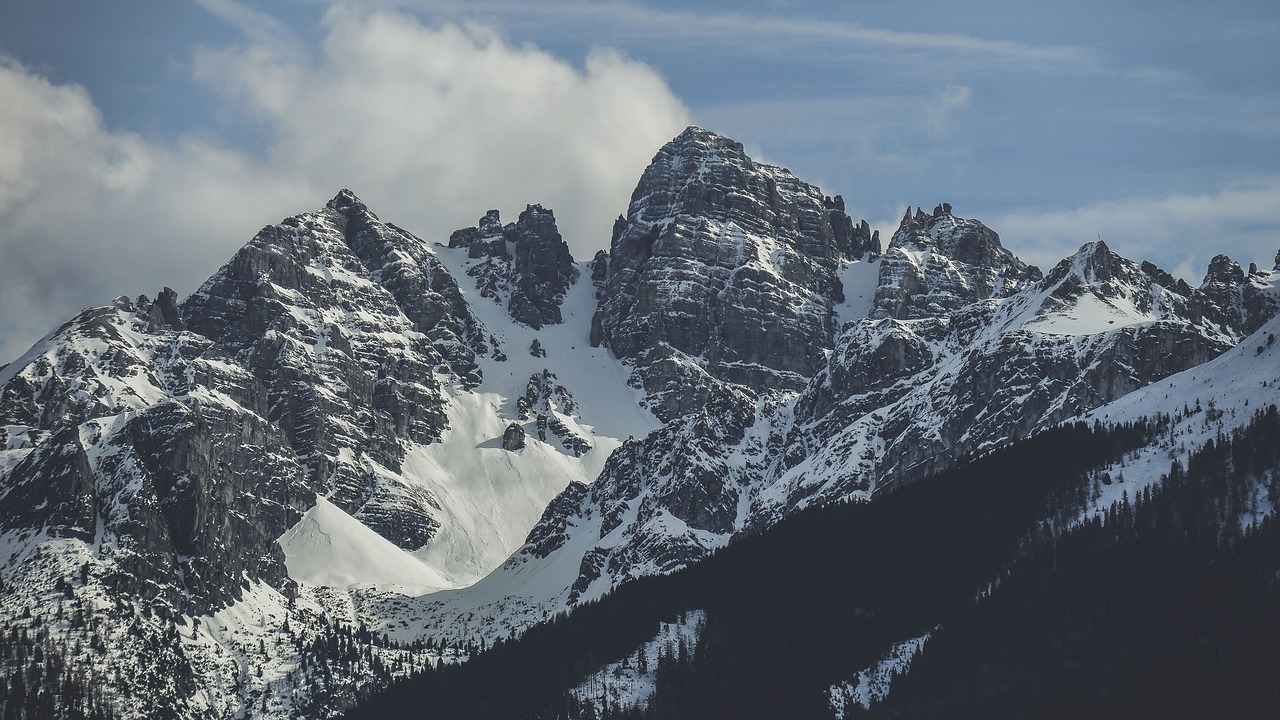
x=329, y=548
x=872, y=684
x=1201, y=404
x=631, y=682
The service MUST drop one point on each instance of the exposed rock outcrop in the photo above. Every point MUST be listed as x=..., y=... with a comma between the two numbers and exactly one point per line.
x=525, y=264
x=937, y=263
x=513, y=438
x=344, y=320
x=724, y=270
x=1237, y=299
x=962, y=354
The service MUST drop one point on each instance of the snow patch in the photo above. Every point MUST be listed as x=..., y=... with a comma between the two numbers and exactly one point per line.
x=871, y=685
x=860, y=280
x=328, y=547
x=1091, y=315
x=489, y=498
x=630, y=683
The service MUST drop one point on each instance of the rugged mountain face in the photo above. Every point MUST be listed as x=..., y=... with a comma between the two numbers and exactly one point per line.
x=958, y=355
x=344, y=320
x=533, y=278
x=100, y=447
x=1096, y=328
x=724, y=270
x=314, y=419
x=1236, y=298
x=939, y=263
x=347, y=426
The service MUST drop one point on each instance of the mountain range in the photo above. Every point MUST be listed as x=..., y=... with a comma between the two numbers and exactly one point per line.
x=354, y=454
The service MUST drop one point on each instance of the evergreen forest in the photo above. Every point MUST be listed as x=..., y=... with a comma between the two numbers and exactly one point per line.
x=1166, y=605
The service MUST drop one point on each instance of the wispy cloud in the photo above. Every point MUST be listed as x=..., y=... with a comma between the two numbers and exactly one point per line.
x=772, y=34
x=90, y=214
x=256, y=25
x=944, y=105
x=404, y=112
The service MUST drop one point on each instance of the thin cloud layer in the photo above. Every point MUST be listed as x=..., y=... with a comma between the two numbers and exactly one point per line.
x=1179, y=233
x=776, y=34
x=429, y=125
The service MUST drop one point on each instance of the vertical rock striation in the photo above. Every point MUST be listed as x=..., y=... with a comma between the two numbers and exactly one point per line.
x=724, y=270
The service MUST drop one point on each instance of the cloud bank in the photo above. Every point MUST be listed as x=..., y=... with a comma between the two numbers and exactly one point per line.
x=431, y=126
x=87, y=214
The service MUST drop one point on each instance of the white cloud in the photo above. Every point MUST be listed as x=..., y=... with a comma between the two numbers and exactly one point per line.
x=255, y=24
x=87, y=214
x=1179, y=232
x=430, y=126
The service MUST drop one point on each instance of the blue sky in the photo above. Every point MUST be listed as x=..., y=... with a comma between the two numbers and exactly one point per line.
x=150, y=139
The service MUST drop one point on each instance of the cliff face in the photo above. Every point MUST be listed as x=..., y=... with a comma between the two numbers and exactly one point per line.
x=964, y=348
x=343, y=320
x=525, y=264
x=724, y=270
x=928, y=390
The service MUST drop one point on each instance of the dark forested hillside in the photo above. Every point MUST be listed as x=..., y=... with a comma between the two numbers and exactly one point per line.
x=1170, y=607
x=808, y=603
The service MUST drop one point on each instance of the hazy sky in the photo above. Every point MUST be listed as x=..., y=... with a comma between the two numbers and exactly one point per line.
x=145, y=140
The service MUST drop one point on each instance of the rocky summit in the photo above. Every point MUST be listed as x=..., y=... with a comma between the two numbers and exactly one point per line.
x=937, y=263
x=354, y=452
x=955, y=356
x=724, y=270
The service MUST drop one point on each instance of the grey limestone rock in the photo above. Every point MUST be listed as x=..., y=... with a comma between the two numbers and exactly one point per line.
x=600, y=267
x=987, y=374
x=186, y=495
x=344, y=320
x=854, y=241
x=968, y=349
x=526, y=264
x=937, y=263
x=163, y=313
x=513, y=437
x=198, y=432
x=1235, y=299
x=546, y=401
x=724, y=270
